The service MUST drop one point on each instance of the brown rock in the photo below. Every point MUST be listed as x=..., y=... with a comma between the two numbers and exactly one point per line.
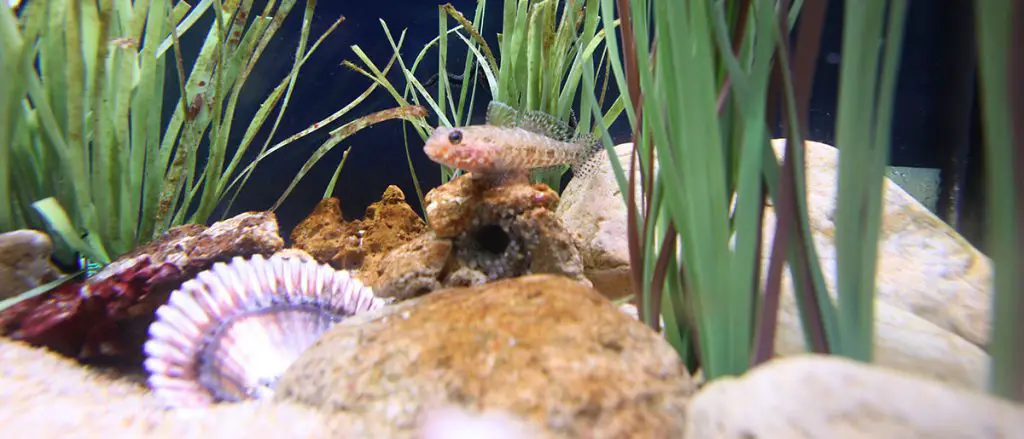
x=453, y=206
x=495, y=231
x=24, y=261
x=414, y=268
x=543, y=348
x=194, y=247
x=359, y=244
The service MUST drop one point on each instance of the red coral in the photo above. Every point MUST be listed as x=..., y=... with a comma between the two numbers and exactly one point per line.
x=80, y=320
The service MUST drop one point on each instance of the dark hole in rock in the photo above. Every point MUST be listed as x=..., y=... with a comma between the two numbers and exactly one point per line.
x=492, y=239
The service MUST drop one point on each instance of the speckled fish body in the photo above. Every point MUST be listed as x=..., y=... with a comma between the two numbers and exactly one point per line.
x=496, y=149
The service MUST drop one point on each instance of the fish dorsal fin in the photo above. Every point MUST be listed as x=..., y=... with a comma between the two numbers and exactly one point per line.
x=546, y=124
x=503, y=115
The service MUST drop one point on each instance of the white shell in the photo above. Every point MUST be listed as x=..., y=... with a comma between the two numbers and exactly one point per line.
x=229, y=333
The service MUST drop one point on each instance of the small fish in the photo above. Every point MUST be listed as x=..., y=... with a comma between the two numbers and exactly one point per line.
x=510, y=142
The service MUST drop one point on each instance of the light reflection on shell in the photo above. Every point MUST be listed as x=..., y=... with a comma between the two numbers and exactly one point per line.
x=229, y=333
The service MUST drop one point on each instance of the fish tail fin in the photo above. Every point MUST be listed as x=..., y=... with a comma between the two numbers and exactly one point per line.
x=589, y=157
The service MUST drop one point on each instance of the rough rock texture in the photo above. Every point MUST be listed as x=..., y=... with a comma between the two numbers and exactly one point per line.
x=593, y=210
x=47, y=396
x=540, y=347
x=924, y=266
x=169, y=260
x=358, y=244
x=24, y=261
x=495, y=231
x=829, y=397
x=194, y=247
x=415, y=268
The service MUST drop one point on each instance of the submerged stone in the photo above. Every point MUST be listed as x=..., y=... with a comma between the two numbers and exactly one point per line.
x=542, y=348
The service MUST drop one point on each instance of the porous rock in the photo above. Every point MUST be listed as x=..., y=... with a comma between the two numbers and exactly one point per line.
x=494, y=231
x=810, y=396
x=361, y=244
x=414, y=268
x=542, y=348
x=24, y=261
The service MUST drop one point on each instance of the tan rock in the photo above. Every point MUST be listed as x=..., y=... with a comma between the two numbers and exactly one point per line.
x=593, y=210
x=903, y=342
x=542, y=348
x=24, y=261
x=829, y=397
x=924, y=266
x=47, y=396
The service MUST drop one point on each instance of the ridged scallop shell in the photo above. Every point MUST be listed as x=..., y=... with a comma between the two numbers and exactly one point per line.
x=229, y=333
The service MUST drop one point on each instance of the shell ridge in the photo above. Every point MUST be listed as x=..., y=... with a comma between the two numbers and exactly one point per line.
x=229, y=333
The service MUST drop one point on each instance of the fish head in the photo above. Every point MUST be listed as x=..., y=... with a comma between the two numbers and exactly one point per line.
x=463, y=148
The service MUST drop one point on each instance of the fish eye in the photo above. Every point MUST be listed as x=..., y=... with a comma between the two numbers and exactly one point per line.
x=455, y=137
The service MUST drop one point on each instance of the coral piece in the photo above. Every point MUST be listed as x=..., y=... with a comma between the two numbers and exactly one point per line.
x=81, y=320
x=494, y=231
x=109, y=315
x=358, y=244
x=24, y=261
x=228, y=334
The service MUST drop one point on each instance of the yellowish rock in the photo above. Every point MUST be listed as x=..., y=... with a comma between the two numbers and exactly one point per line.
x=903, y=342
x=924, y=266
x=811, y=396
x=592, y=208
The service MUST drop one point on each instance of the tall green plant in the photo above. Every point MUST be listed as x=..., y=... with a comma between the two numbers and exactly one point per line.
x=706, y=80
x=82, y=140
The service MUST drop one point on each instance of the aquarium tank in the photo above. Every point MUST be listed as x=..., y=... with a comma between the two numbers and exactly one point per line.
x=512, y=218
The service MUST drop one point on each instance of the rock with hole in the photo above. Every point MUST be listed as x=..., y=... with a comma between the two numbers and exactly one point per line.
x=482, y=231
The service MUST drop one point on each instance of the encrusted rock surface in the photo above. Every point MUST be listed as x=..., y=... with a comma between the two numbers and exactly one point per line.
x=24, y=261
x=359, y=244
x=542, y=348
x=415, y=268
x=195, y=247
x=494, y=231
x=812, y=396
x=111, y=313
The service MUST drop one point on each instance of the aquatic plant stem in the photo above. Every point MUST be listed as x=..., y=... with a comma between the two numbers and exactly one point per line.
x=1000, y=27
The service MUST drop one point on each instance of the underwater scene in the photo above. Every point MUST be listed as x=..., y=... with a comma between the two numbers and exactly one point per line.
x=512, y=219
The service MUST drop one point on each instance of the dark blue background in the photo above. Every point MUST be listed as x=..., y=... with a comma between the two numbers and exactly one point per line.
x=378, y=159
